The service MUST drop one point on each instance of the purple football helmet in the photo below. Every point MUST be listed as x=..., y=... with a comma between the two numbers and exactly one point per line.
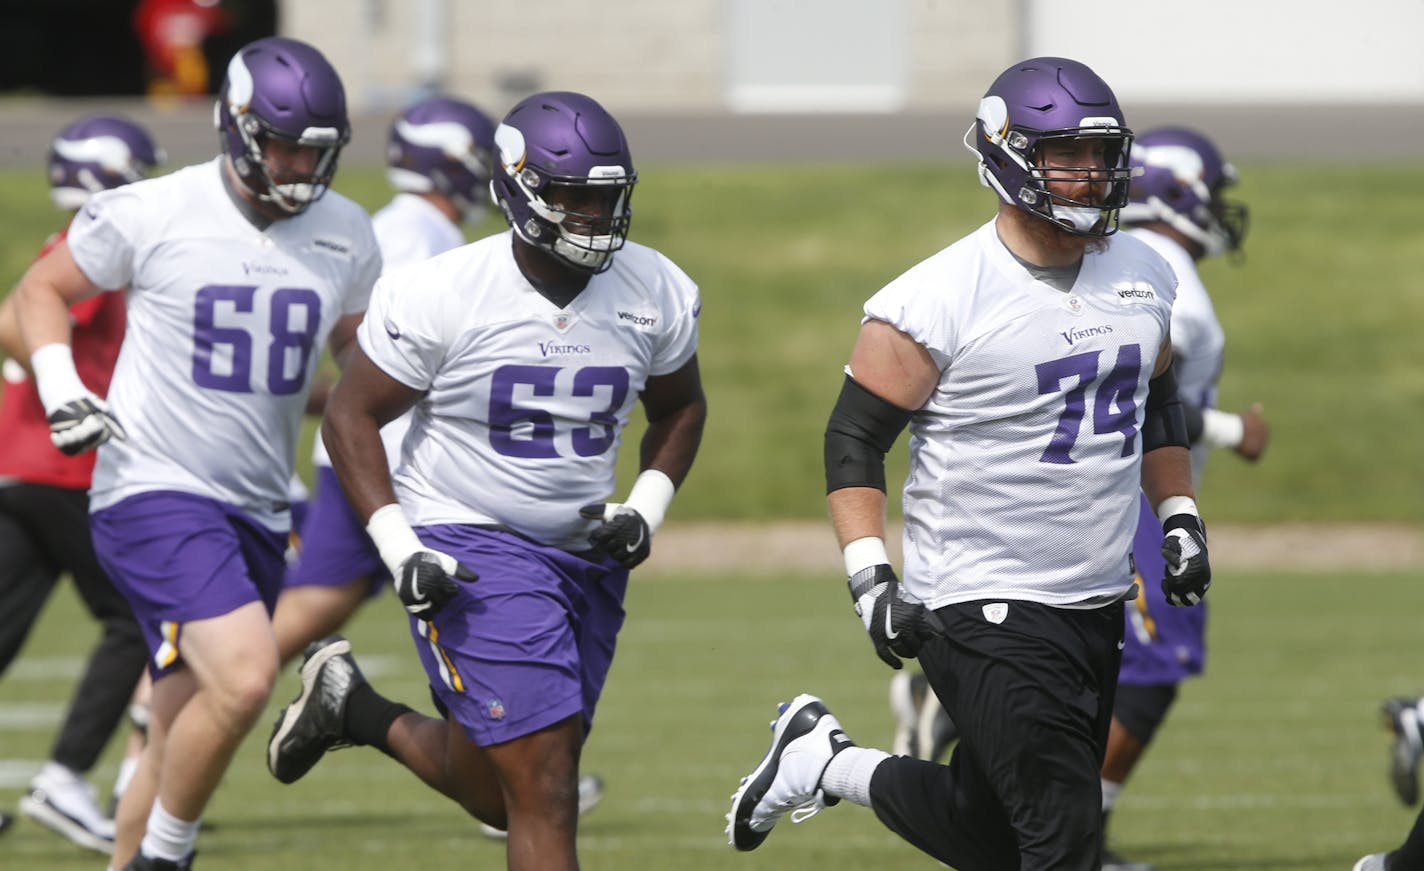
x=282, y=89
x=444, y=146
x=1032, y=103
x=1180, y=183
x=95, y=153
x=552, y=142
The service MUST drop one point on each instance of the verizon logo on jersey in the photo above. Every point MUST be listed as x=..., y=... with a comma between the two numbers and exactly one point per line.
x=640, y=320
x=1135, y=290
x=335, y=246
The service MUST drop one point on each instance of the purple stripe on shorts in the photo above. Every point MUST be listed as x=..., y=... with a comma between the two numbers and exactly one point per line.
x=179, y=557
x=527, y=645
x=335, y=549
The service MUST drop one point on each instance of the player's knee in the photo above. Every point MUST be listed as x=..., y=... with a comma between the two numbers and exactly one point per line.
x=241, y=695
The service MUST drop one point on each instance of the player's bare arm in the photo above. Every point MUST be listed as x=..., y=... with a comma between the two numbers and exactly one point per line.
x=37, y=313
x=897, y=369
x=363, y=401
x=343, y=339
x=1167, y=481
x=1166, y=469
x=676, y=409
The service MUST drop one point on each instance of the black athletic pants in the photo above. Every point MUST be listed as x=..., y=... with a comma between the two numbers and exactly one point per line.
x=1032, y=696
x=44, y=532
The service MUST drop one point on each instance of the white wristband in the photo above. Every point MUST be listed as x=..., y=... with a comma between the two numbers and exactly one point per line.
x=55, y=376
x=651, y=495
x=1177, y=505
x=393, y=537
x=1222, y=429
x=864, y=553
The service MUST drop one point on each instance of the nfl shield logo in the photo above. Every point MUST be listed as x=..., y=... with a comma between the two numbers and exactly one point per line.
x=562, y=321
x=995, y=612
x=495, y=708
x=1074, y=304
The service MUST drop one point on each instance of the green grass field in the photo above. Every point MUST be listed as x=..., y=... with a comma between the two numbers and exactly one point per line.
x=1322, y=319
x=1274, y=760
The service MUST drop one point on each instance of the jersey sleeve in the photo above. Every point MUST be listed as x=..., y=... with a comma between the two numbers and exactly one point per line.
x=679, y=342
x=103, y=237
x=401, y=332
x=909, y=307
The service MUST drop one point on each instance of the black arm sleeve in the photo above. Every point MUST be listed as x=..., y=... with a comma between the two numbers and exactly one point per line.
x=1164, y=423
x=862, y=429
x=1195, y=425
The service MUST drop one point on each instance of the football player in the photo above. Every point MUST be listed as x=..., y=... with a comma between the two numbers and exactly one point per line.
x=238, y=270
x=523, y=356
x=439, y=158
x=1032, y=362
x=1180, y=208
x=44, y=504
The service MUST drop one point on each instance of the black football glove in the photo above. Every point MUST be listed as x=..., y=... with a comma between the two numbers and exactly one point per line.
x=1188, y=575
x=896, y=627
x=83, y=424
x=623, y=535
x=425, y=585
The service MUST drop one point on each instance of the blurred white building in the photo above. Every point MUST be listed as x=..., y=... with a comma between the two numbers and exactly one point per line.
x=699, y=56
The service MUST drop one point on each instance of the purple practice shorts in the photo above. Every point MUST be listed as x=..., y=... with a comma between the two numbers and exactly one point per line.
x=334, y=546
x=1162, y=644
x=179, y=557
x=527, y=645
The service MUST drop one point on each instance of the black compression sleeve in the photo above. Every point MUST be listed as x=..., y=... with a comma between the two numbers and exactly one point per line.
x=862, y=429
x=1195, y=424
x=1164, y=424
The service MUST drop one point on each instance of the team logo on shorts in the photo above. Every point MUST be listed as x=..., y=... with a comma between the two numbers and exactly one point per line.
x=995, y=612
x=495, y=708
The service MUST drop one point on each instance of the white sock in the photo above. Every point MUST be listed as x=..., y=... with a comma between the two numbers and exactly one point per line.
x=55, y=771
x=167, y=836
x=848, y=775
x=1110, y=792
x=126, y=773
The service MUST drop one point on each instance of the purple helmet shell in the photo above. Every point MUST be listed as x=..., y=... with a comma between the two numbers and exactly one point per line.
x=1039, y=100
x=444, y=146
x=279, y=88
x=95, y=153
x=1180, y=181
x=551, y=142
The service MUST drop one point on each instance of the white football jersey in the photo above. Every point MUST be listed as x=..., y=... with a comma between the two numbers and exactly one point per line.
x=1198, y=340
x=1025, y=461
x=226, y=323
x=525, y=403
x=409, y=229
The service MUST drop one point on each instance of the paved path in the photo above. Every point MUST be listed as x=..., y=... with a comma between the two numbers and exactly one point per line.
x=1246, y=133
x=807, y=546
